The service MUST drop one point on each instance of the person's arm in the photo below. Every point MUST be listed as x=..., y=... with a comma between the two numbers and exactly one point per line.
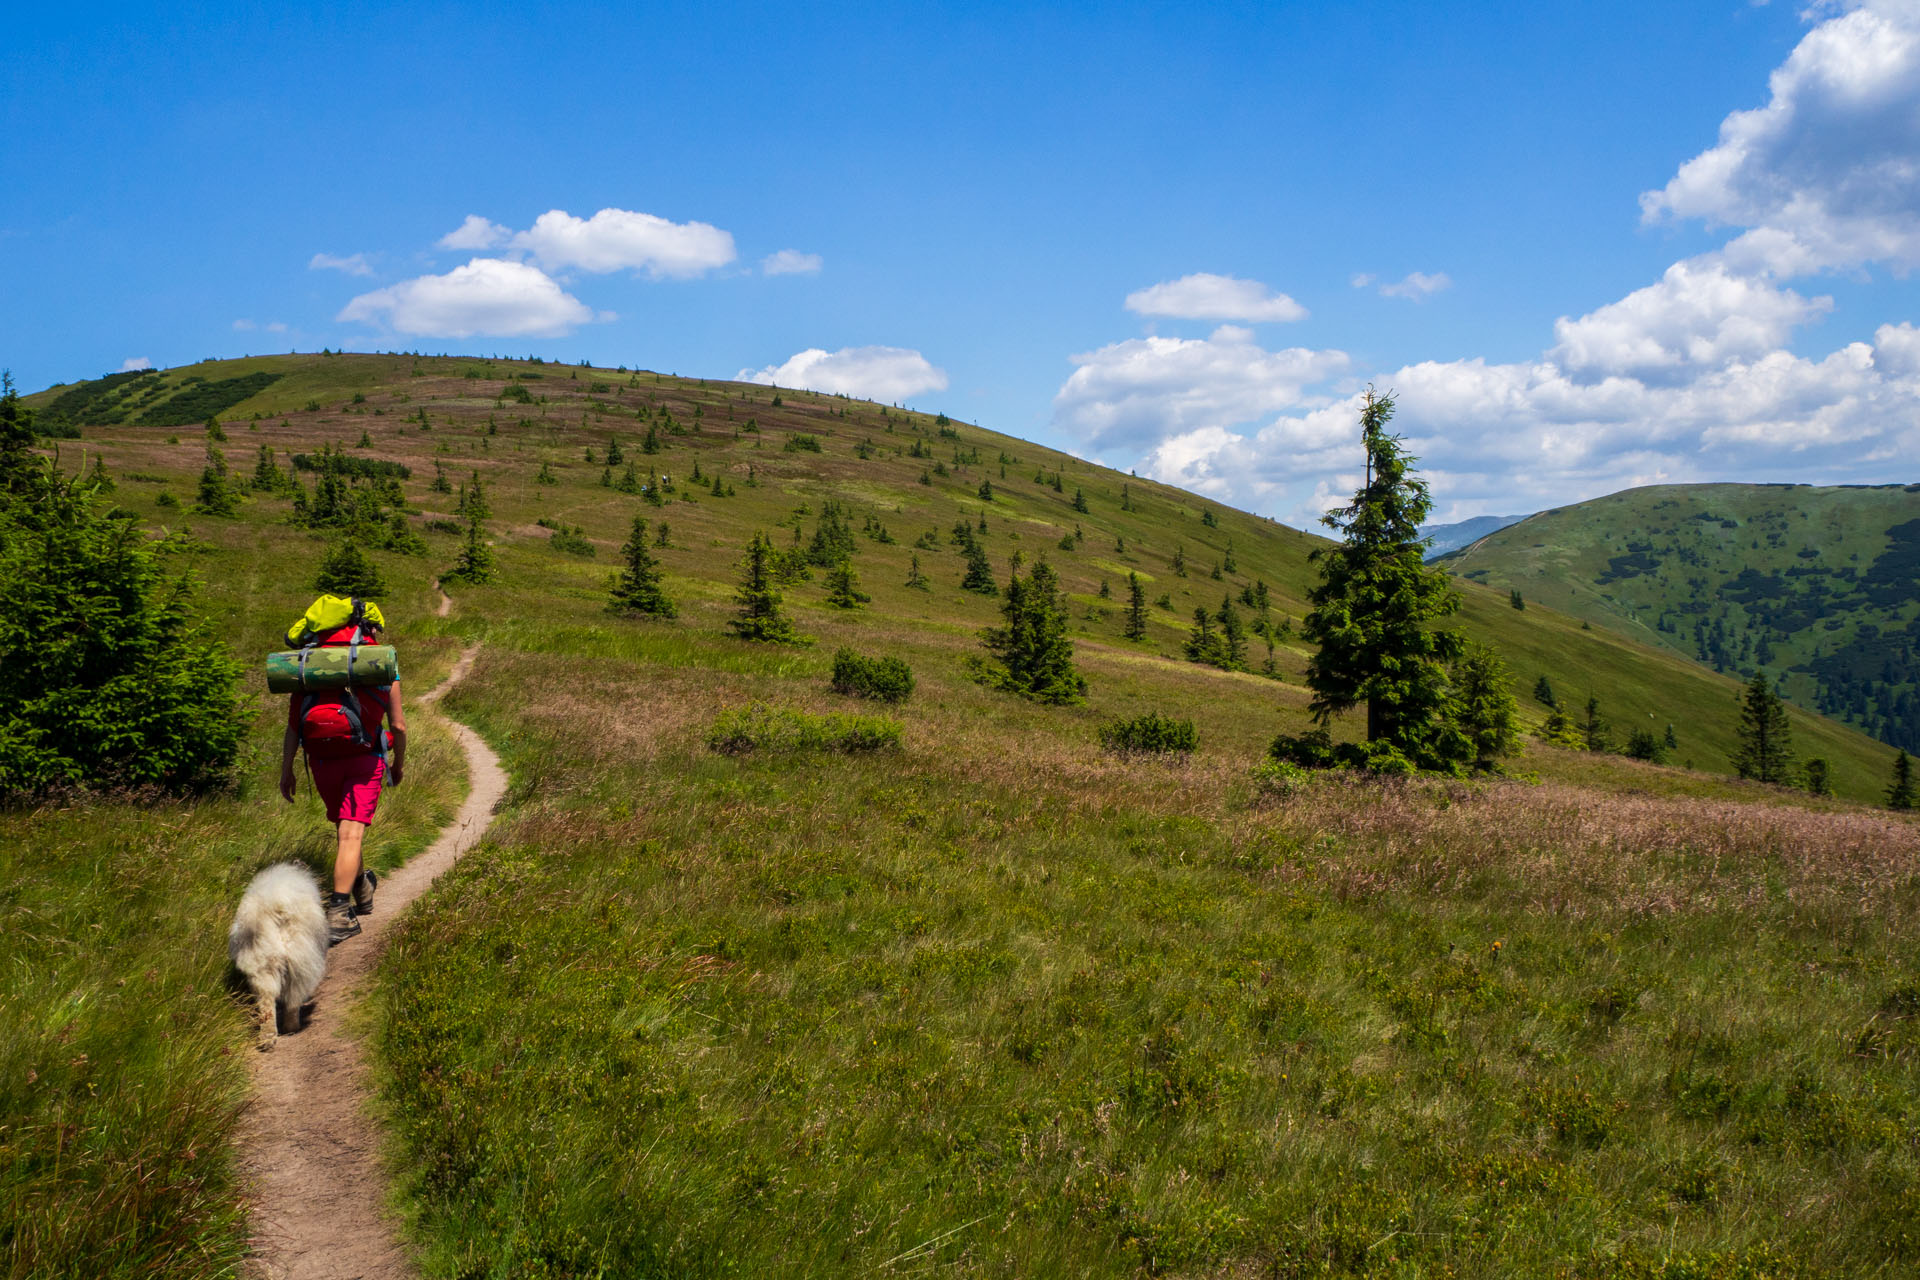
x=397, y=726
x=289, y=743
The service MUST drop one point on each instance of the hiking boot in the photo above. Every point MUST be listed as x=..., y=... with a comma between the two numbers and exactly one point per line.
x=341, y=922
x=363, y=892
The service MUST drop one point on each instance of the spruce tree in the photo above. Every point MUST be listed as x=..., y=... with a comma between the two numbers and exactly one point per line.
x=1136, y=608
x=1180, y=560
x=614, y=456
x=843, y=587
x=1374, y=604
x=346, y=570
x=1596, y=734
x=1233, y=636
x=1765, y=753
x=979, y=576
x=1079, y=501
x=474, y=564
x=917, y=579
x=1819, y=777
x=1033, y=648
x=20, y=469
x=760, y=616
x=266, y=472
x=1543, y=691
x=545, y=475
x=216, y=496
x=1900, y=794
x=637, y=588
x=473, y=501
x=1202, y=644
x=1484, y=707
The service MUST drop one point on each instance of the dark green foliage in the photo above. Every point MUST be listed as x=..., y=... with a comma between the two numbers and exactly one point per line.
x=570, y=538
x=833, y=539
x=111, y=679
x=629, y=481
x=218, y=433
x=99, y=400
x=1151, y=733
x=98, y=479
x=1033, y=648
x=515, y=392
x=346, y=570
x=760, y=616
x=473, y=500
x=198, y=399
x=650, y=443
x=843, y=587
x=917, y=579
x=365, y=442
x=614, y=456
x=1180, y=560
x=267, y=475
x=1644, y=744
x=1596, y=734
x=1079, y=501
x=440, y=482
x=1517, y=600
x=1900, y=791
x=979, y=575
x=474, y=564
x=545, y=475
x=1819, y=776
x=1543, y=691
x=1483, y=710
x=1316, y=749
x=19, y=467
x=1672, y=743
x=1208, y=519
x=1227, y=561
x=1374, y=604
x=332, y=460
x=986, y=491
x=1765, y=753
x=1136, y=608
x=637, y=589
x=802, y=444
x=758, y=727
x=882, y=679
x=216, y=495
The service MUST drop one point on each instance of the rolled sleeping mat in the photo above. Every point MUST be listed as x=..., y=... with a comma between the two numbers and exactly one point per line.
x=332, y=666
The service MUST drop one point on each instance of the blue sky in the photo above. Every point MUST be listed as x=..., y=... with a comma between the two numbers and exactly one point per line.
x=1448, y=201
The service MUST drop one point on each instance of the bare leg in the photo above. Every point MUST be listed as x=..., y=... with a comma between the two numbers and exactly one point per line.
x=346, y=859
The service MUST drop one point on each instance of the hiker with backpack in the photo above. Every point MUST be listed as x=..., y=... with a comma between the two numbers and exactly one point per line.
x=349, y=755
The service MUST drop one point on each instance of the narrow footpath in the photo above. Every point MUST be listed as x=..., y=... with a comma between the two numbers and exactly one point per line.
x=310, y=1150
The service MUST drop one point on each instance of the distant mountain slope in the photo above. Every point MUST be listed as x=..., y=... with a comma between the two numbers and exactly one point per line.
x=1821, y=585
x=903, y=478
x=1451, y=537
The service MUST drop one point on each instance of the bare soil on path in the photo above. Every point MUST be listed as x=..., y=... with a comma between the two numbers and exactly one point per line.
x=310, y=1149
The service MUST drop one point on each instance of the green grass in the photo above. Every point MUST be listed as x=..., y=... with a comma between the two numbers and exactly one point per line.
x=1000, y=1001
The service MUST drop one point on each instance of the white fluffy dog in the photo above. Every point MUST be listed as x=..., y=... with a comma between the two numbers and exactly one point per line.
x=279, y=943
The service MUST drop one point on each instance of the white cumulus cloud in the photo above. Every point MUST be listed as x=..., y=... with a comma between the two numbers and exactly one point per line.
x=354, y=264
x=475, y=232
x=1127, y=394
x=790, y=262
x=622, y=240
x=887, y=374
x=133, y=363
x=488, y=297
x=1826, y=173
x=1700, y=315
x=1204, y=296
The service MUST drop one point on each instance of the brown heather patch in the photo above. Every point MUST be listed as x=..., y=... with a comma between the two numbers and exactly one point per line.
x=1569, y=851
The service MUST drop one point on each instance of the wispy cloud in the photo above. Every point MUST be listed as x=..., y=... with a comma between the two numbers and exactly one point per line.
x=1417, y=285
x=354, y=264
x=790, y=262
x=132, y=363
x=475, y=233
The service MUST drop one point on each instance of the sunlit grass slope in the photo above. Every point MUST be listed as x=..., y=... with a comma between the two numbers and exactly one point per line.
x=999, y=1003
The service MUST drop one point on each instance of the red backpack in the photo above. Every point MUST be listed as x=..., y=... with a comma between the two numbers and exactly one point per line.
x=335, y=723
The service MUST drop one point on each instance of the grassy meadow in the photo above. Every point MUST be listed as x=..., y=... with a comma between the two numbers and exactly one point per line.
x=991, y=1001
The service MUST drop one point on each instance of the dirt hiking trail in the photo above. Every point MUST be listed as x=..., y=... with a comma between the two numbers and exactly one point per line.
x=309, y=1149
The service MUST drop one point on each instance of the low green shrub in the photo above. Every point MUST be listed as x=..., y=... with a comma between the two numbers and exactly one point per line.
x=802, y=444
x=759, y=727
x=882, y=679
x=1278, y=779
x=1151, y=732
x=1316, y=749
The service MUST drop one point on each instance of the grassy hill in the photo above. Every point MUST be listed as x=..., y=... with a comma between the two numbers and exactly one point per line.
x=997, y=1001
x=1819, y=586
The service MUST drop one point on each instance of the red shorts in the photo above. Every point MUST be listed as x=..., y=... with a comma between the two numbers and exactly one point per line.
x=349, y=786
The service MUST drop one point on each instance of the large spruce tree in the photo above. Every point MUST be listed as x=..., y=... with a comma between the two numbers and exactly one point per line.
x=1765, y=753
x=1900, y=790
x=760, y=615
x=1376, y=602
